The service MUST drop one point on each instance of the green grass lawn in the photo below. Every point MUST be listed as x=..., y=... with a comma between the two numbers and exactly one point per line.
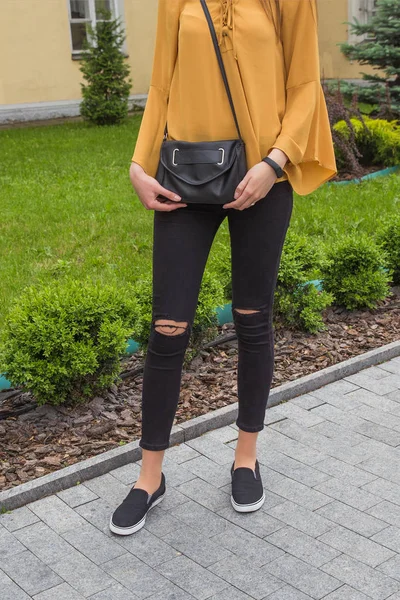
x=68, y=207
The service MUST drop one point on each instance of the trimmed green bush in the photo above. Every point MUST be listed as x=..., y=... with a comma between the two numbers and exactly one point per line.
x=211, y=296
x=378, y=142
x=142, y=293
x=298, y=303
x=219, y=263
x=346, y=151
x=353, y=272
x=388, y=238
x=63, y=341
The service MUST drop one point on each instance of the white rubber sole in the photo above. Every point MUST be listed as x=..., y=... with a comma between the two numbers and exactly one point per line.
x=248, y=507
x=138, y=525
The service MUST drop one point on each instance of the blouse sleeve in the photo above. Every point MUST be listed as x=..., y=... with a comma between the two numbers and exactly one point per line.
x=151, y=131
x=305, y=134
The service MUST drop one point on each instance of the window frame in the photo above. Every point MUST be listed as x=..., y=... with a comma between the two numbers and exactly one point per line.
x=117, y=9
x=363, y=11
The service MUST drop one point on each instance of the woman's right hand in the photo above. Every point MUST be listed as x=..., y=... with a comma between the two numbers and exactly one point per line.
x=147, y=189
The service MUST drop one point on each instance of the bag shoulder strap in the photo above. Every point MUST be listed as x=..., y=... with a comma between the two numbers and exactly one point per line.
x=220, y=61
x=221, y=66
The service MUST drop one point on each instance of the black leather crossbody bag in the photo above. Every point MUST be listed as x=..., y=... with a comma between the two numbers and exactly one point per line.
x=204, y=172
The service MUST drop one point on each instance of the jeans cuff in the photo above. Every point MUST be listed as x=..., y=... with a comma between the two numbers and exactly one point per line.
x=249, y=429
x=156, y=447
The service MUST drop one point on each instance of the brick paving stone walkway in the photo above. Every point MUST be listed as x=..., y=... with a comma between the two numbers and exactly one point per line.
x=329, y=528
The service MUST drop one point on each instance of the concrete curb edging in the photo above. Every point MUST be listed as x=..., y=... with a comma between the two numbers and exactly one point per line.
x=27, y=112
x=106, y=461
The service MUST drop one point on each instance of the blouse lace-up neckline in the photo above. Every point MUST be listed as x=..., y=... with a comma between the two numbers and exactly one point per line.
x=227, y=31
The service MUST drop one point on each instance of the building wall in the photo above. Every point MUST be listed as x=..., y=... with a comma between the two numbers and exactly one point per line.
x=34, y=38
x=332, y=30
x=35, y=47
x=35, y=41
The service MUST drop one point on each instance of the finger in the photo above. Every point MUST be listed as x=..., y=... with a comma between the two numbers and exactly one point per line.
x=162, y=191
x=164, y=206
x=244, y=198
x=241, y=187
x=162, y=200
x=250, y=204
x=238, y=204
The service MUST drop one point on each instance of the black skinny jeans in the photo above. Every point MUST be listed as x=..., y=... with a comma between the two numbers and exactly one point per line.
x=181, y=244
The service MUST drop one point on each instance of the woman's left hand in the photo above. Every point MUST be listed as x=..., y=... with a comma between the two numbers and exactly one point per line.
x=255, y=185
x=258, y=181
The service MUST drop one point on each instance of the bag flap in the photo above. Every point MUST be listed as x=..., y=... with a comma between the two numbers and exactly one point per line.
x=197, y=163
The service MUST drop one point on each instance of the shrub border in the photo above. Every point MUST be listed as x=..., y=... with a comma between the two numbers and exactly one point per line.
x=133, y=346
x=67, y=477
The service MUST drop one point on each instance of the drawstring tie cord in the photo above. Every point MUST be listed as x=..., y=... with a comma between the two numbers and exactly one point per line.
x=228, y=22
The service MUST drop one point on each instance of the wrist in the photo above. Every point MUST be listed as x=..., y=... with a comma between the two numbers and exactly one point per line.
x=136, y=170
x=278, y=156
x=274, y=165
x=136, y=167
x=269, y=168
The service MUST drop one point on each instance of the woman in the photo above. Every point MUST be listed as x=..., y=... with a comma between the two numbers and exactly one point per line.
x=270, y=52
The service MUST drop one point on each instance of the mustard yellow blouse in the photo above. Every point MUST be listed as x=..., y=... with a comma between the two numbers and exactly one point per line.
x=275, y=85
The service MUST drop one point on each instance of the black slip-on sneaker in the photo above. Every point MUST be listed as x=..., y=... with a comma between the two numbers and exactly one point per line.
x=130, y=516
x=247, y=488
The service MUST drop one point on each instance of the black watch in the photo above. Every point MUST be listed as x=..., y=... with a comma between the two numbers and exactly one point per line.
x=278, y=170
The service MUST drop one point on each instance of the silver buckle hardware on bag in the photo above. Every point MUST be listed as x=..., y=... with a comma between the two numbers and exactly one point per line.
x=205, y=160
x=173, y=156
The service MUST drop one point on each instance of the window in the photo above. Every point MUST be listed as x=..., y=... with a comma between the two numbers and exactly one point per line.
x=369, y=13
x=82, y=12
x=363, y=11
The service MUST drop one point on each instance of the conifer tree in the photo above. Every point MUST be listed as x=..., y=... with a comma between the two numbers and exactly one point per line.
x=381, y=50
x=105, y=96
